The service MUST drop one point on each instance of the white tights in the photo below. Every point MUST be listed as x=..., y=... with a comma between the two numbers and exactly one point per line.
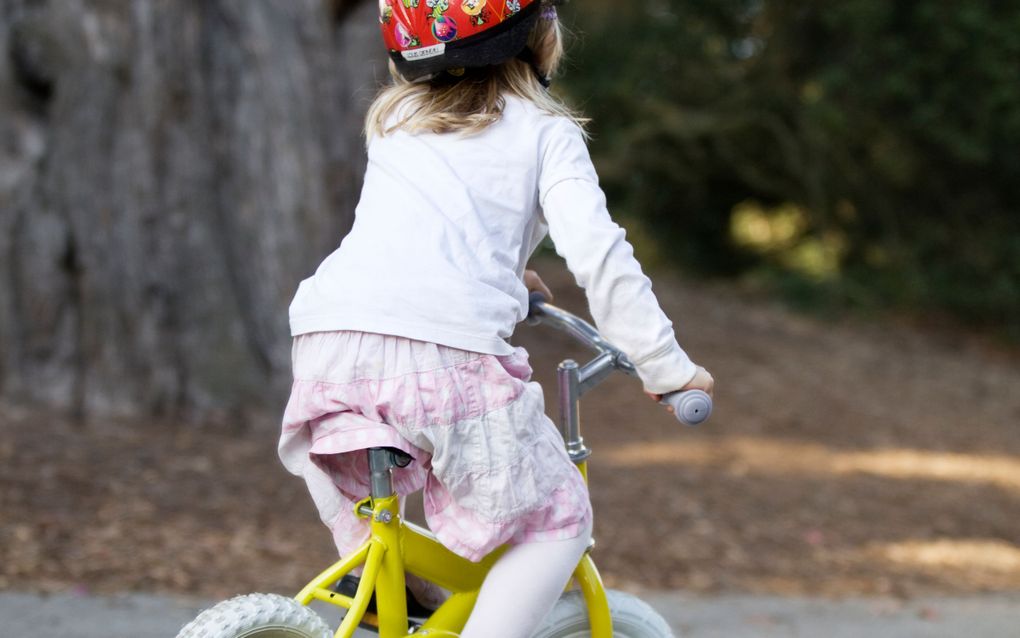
x=522, y=587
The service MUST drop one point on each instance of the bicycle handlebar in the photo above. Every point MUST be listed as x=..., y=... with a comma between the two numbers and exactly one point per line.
x=691, y=407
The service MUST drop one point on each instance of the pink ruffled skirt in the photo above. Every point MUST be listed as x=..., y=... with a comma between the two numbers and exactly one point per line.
x=492, y=465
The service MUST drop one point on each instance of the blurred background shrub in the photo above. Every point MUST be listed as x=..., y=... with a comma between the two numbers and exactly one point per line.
x=860, y=153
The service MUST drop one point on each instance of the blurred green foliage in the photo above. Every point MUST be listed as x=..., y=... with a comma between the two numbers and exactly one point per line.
x=863, y=152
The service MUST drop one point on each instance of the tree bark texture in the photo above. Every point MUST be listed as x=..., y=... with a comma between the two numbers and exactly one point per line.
x=169, y=171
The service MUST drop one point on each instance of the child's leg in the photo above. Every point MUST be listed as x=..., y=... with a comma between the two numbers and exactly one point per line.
x=523, y=586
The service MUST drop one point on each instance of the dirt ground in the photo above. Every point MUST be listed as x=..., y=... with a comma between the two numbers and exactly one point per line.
x=844, y=458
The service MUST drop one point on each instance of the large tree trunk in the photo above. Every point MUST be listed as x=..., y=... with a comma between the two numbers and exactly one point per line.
x=169, y=171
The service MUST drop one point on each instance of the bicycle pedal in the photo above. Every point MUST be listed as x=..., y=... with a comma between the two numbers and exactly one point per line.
x=348, y=586
x=369, y=622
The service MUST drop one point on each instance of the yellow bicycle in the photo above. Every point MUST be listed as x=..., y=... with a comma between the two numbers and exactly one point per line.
x=397, y=547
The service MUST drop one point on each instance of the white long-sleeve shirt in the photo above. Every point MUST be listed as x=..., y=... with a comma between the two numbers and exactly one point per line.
x=444, y=229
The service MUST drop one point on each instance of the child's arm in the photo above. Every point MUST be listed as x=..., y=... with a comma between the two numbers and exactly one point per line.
x=619, y=294
x=597, y=253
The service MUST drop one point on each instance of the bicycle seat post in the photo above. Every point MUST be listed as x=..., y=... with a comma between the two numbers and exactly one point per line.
x=569, y=382
x=380, y=462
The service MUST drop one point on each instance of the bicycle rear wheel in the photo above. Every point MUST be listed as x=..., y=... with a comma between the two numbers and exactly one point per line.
x=257, y=616
x=632, y=618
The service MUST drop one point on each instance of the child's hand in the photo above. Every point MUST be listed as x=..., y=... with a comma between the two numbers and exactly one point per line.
x=534, y=283
x=702, y=381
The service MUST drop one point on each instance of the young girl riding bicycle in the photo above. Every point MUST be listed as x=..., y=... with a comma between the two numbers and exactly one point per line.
x=400, y=336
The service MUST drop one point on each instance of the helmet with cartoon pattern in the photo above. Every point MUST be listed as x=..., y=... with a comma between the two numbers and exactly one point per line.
x=428, y=36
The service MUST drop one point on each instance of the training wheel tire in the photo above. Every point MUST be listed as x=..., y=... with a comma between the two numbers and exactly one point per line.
x=257, y=616
x=632, y=618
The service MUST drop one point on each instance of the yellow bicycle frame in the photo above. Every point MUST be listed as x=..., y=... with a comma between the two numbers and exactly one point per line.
x=396, y=547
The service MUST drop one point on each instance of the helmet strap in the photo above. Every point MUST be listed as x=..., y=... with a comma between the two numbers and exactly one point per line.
x=528, y=56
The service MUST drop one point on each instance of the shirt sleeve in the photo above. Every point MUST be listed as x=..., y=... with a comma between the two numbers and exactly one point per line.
x=597, y=253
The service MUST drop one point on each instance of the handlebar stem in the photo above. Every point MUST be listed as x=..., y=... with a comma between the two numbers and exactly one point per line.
x=568, y=376
x=595, y=371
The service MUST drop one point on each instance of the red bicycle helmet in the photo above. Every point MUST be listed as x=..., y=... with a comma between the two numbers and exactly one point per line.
x=428, y=36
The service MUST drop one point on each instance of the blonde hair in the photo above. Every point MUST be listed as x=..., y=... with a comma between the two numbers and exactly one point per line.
x=471, y=104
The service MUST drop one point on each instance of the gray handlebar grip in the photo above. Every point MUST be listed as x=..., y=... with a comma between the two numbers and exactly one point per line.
x=692, y=407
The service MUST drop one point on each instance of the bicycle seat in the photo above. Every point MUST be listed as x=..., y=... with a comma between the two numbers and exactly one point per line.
x=398, y=457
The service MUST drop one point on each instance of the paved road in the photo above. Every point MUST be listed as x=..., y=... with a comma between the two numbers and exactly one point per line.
x=145, y=616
